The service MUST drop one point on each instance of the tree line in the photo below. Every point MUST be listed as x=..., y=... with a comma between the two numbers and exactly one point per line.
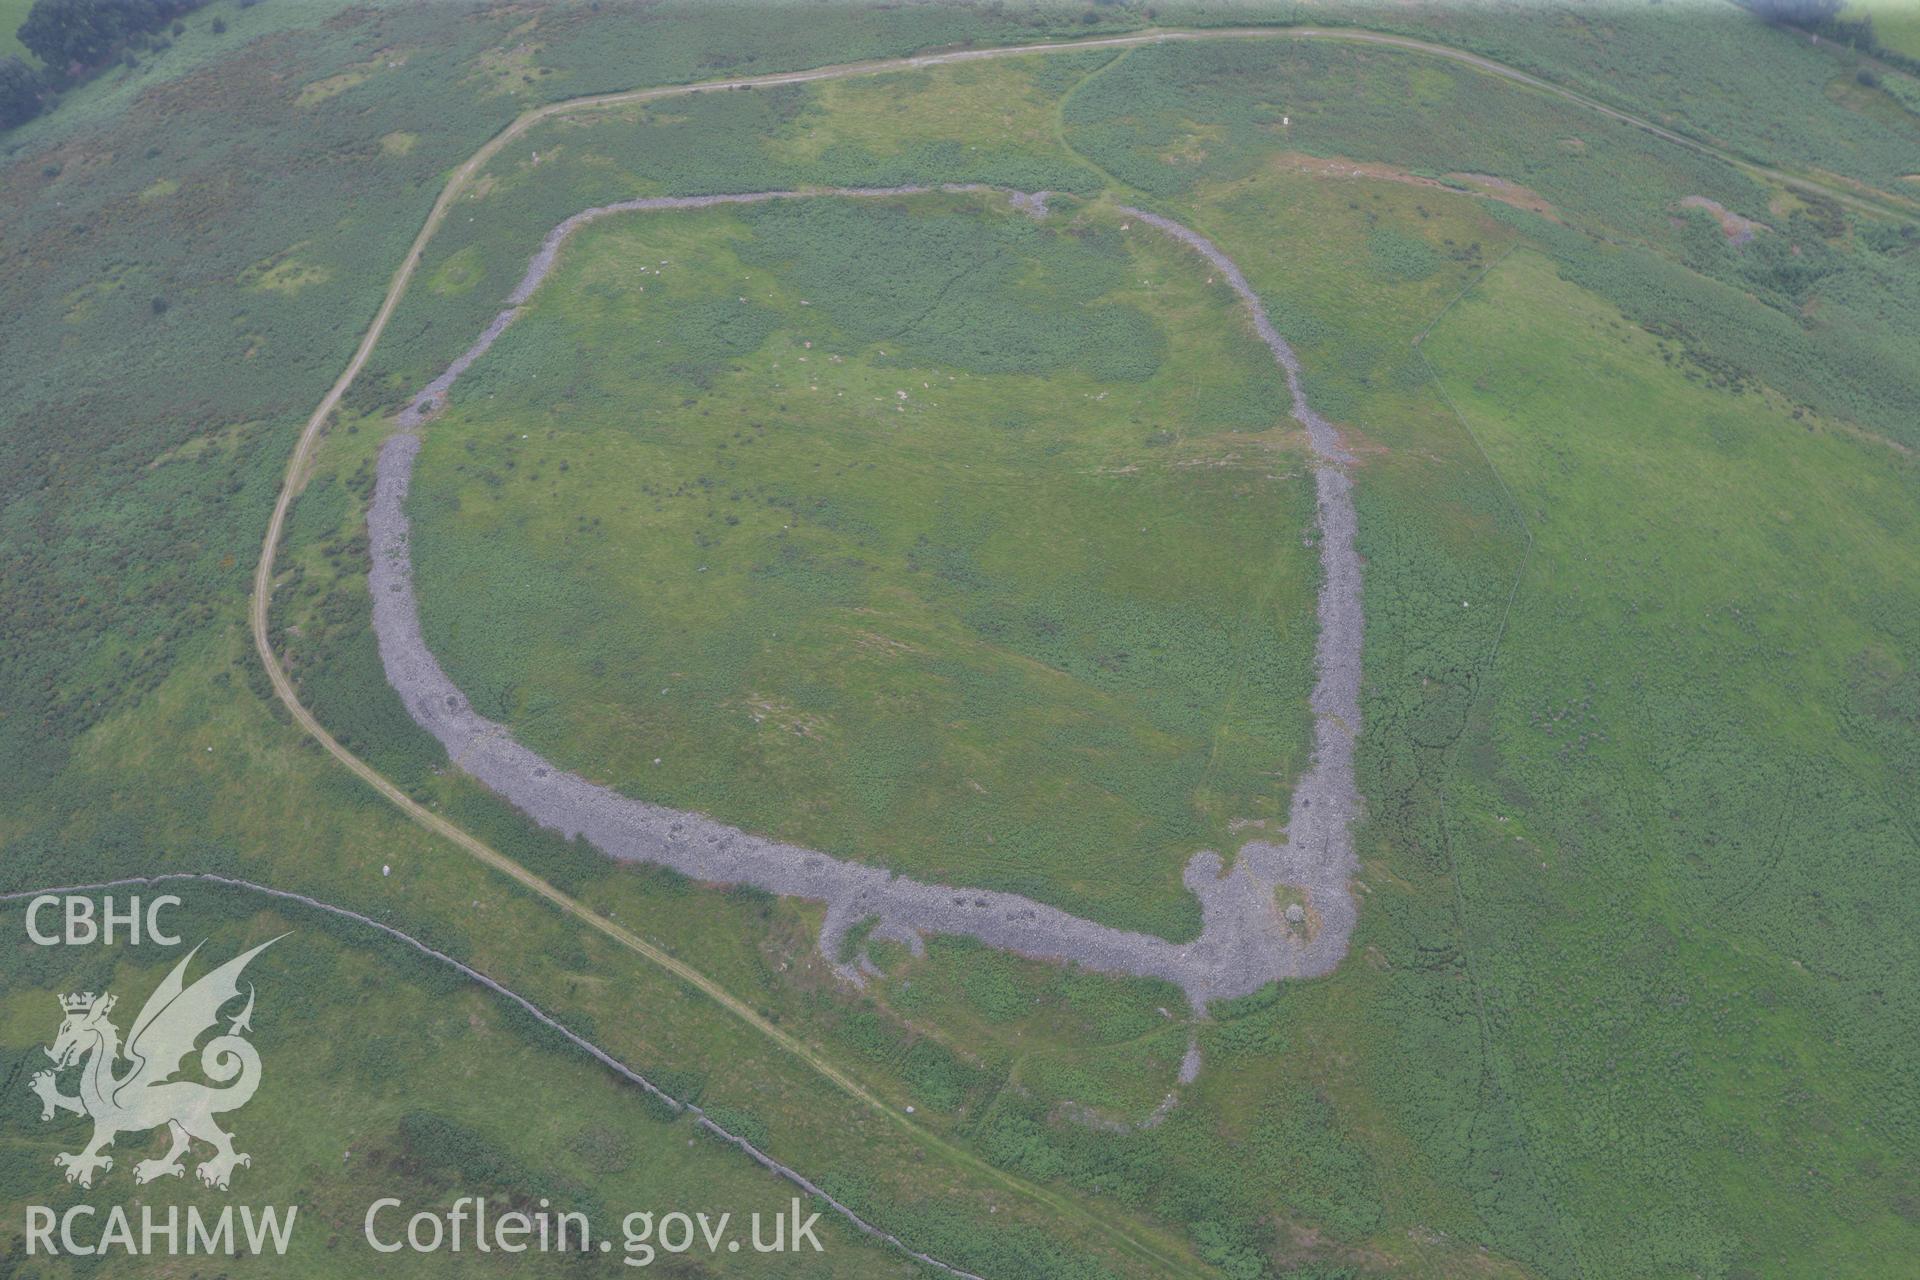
x=1829, y=18
x=76, y=38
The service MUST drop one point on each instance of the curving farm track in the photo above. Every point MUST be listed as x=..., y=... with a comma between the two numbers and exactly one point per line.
x=301, y=460
x=299, y=464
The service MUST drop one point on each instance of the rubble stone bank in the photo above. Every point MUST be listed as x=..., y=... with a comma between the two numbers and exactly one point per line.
x=1245, y=941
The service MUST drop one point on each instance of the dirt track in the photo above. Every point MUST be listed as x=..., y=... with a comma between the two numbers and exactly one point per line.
x=260, y=603
x=1245, y=942
x=1165, y=1255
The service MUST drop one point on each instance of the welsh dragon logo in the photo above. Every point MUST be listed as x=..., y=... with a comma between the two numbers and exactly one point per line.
x=146, y=1096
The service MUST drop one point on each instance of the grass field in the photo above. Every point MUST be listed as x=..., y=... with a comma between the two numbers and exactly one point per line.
x=444, y=1090
x=1329, y=1091
x=1692, y=776
x=1639, y=611
x=915, y=533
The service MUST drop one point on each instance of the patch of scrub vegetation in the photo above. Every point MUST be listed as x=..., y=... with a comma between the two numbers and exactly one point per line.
x=289, y=276
x=763, y=139
x=1823, y=322
x=318, y=91
x=998, y=298
x=1401, y=256
x=863, y=521
x=458, y=274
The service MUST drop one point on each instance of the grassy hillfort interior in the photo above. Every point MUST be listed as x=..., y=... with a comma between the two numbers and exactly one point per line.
x=1219, y=640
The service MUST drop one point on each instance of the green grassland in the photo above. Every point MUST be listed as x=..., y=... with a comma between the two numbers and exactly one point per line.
x=384, y=1073
x=1677, y=1048
x=242, y=784
x=1831, y=332
x=1693, y=777
x=187, y=274
x=914, y=533
x=1386, y=1108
